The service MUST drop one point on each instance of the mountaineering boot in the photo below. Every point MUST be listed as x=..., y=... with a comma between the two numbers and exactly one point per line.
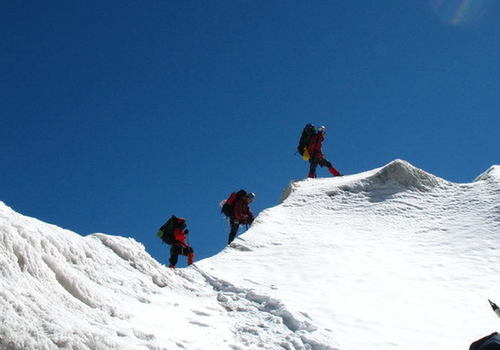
x=311, y=175
x=190, y=258
x=171, y=266
x=334, y=171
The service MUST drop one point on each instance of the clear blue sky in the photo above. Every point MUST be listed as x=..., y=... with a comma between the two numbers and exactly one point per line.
x=115, y=115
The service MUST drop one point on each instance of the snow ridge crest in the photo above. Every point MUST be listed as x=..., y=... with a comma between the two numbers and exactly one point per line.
x=398, y=172
x=492, y=174
x=405, y=174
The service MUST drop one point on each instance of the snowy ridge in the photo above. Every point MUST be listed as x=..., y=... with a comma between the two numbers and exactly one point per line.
x=398, y=174
x=61, y=290
x=392, y=258
x=492, y=174
x=406, y=175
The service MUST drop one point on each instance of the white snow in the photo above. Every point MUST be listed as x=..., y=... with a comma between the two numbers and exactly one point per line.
x=393, y=258
x=492, y=174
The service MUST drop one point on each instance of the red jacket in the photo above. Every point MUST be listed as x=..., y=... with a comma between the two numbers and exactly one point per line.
x=315, y=144
x=180, y=234
x=180, y=237
x=241, y=210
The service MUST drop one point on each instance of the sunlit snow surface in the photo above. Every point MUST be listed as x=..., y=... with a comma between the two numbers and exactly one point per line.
x=393, y=258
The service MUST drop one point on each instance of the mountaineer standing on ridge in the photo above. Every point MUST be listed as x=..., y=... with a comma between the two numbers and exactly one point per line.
x=309, y=148
x=237, y=210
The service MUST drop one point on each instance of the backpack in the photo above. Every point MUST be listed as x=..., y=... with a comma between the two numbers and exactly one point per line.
x=308, y=131
x=228, y=204
x=490, y=342
x=166, y=232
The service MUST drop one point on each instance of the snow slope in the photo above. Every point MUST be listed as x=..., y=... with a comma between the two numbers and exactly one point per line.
x=393, y=258
x=61, y=290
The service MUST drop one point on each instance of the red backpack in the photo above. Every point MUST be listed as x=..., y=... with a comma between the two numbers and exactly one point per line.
x=228, y=204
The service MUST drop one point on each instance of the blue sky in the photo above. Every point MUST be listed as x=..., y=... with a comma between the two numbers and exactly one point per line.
x=115, y=115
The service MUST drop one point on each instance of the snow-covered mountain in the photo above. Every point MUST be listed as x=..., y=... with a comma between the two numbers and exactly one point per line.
x=393, y=258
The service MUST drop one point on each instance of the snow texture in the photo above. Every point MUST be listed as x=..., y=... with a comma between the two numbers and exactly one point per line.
x=393, y=258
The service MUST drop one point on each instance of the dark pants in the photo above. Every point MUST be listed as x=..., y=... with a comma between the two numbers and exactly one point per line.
x=234, y=224
x=176, y=250
x=314, y=162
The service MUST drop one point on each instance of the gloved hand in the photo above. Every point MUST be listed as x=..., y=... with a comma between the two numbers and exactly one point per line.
x=186, y=232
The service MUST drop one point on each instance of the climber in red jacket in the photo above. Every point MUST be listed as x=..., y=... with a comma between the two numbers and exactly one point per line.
x=241, y=214
x=316, y=154
x=179, y=245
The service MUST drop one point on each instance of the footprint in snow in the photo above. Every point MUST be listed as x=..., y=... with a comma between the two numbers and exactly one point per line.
x=240, y=247
x=246, y=279
x=200, y=313
x=201, y=324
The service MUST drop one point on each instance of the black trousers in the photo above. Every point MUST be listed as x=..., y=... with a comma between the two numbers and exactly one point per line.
x=314, y=162
x=234, y=224
x=176, y=250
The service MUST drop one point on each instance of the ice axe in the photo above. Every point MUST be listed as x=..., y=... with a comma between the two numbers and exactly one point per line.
x=495, y=307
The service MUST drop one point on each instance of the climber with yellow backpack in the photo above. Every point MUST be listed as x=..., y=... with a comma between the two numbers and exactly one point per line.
x=311, y=141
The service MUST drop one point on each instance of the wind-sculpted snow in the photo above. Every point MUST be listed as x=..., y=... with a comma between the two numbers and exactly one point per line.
x=63, y=291
x=393, y=258
x=60, y=290
x=404, y=174
x=398, y=175
x=492, y=174
x=288, y=330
